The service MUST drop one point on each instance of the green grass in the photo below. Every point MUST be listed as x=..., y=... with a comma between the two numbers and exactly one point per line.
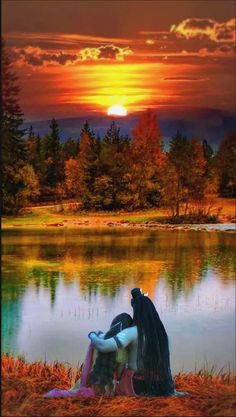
x=41, y=217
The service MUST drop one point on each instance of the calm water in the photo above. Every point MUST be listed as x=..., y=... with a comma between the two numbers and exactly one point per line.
x=57, y=286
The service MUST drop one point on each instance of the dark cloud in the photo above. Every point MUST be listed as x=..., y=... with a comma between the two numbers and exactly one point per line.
x=209, y=28
x=185, y=79
x=109, y=52
x=35, y=56
x=199, y=23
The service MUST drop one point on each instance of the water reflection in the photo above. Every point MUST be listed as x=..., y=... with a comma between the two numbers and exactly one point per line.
x=57, y=280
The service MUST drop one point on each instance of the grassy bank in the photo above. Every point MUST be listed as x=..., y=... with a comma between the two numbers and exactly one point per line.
x=24, y=384
x=43, y=217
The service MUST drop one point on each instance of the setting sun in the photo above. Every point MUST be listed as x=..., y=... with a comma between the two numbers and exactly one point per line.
x=117, y=110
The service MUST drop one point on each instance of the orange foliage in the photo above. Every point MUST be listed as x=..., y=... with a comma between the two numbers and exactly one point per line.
x=23, y=386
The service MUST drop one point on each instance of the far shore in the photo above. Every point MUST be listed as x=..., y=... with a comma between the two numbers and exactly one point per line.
x=57, y=216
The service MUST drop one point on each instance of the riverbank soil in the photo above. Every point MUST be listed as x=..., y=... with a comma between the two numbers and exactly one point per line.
x=24, y=384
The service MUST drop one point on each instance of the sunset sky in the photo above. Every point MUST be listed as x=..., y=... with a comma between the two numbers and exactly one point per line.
x=81, y=57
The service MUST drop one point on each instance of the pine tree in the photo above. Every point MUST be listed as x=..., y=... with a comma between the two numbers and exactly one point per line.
x=111, y=187
x=13, y=144
x=33, y=144
x=53, y=171
x=88, y=164
x=70, y=149
x=226, y=163
x=179, y=167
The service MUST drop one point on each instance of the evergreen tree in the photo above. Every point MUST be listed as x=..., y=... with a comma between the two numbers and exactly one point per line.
x=187, y=183
x=33, y=144
x=70, y=149
x=207, y=151
x=88, y=164
x=226, y=163
x=13, y=144
x=53, y=171
x=111, y=186
x=176, y=173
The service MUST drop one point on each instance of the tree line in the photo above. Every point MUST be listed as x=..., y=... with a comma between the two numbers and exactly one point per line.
x=113, y=172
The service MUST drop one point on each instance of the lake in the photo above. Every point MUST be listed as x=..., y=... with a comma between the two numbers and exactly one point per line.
x=59, y=285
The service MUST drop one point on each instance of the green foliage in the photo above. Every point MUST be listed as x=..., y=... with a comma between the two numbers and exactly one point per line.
x=71, y=149
x=25, y=184
x=226, y=163
x=88, y=164
x=13, y=144
x=52, y=165
x=111, y=187
x=188, y=178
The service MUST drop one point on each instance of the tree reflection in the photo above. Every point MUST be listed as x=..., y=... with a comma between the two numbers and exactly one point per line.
x=104, y=261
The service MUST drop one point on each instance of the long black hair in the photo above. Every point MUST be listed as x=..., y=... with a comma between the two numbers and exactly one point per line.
x=153, y=346
x=103, y=370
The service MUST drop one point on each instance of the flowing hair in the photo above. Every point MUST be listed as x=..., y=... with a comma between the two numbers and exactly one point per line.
x=103, y=370
x=153, y=346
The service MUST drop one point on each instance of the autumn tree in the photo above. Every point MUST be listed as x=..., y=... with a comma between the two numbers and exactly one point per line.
x=147, y=161
x=72, y=178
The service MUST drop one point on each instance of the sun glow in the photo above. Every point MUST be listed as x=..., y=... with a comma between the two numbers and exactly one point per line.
x=117, y=110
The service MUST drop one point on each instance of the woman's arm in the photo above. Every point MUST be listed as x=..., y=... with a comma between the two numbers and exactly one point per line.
x=121, y=340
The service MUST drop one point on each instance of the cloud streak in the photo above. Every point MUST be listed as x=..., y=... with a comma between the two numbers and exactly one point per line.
x=69, y=39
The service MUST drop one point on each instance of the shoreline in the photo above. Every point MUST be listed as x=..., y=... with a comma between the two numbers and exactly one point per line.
x=24, y=384
x=65, y=216
x=115, y=224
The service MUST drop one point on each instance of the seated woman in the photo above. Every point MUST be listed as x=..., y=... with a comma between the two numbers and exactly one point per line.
x=99, y=369
x=109, y=367
x=148, y=348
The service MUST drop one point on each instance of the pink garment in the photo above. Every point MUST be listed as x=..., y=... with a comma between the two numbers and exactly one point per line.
x=125, y=386
x=82, y=391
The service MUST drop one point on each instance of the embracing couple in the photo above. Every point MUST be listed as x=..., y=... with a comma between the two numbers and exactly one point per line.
x=131, y=359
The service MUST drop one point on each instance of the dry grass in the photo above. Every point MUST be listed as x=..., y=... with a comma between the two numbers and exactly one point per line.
x=24, y=384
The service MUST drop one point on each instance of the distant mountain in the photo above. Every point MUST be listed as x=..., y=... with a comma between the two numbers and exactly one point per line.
x=209, y=124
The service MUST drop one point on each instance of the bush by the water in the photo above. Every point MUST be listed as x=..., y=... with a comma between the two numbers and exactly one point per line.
x=194, y=219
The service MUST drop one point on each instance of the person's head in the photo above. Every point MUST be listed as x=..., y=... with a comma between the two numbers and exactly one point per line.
x=153, y=346
x=119, y=323
x=143, y=308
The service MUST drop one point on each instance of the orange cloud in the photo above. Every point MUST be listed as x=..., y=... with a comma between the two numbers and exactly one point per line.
x=36, y=56
x=105, y=52
x=197, y=28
